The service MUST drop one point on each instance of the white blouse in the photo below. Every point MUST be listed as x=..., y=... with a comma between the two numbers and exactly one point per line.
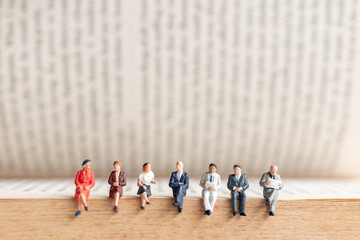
x=146, y=177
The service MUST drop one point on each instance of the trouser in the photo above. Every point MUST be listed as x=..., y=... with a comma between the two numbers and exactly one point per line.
x=209, y=198
x=179, y=195
x=234, y=196
x=271, y=196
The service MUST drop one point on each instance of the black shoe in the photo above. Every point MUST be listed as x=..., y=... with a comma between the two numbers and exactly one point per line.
x=242, y=214
x=142, y=208
x=210, y=212
x=271, y=213
x=234, y=213
x=206, y=213
x=267, y=202
x=148, y=203
x=180, y=210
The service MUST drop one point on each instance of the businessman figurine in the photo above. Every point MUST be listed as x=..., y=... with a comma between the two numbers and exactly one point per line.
x=210, y=182
x=179, y=182
x=237, y=184
x=271, y=182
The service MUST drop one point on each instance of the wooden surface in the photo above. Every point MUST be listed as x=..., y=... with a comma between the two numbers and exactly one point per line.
x=295, y=219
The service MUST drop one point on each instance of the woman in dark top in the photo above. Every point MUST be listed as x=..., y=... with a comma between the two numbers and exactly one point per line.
x=117, y=180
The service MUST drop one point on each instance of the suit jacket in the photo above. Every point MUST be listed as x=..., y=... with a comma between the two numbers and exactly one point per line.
x=174, y=182
x=121, y=180
x=265, y=177
x=232, y=182
x=206, y=178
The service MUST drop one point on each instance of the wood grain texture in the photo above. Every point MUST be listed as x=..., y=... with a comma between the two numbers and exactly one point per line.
x=295, y=219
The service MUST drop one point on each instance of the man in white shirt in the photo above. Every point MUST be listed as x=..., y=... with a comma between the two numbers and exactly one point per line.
x=210, y=182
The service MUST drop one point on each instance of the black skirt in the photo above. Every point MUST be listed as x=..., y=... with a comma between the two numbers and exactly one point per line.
x=142, y=190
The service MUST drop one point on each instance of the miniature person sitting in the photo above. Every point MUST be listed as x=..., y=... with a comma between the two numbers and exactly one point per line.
x=84, y=181
x=210, y=182
x=237, y=184
x=145, y=178
x=117, y=181
x=271, y=182
x=179, y=182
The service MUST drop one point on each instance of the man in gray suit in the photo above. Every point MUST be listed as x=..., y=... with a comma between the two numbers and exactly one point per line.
x=237, y=184
x=271, y=182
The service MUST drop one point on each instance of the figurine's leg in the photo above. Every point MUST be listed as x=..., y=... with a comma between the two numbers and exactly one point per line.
x=79, y=204
x=179, y=198
x=242, y=202
x=116, y=199
x=206, y=195
x=272, y=200
x=143, y=201
x=82, y=200
x=146, y=197
x=234, y=196
x=212, y=199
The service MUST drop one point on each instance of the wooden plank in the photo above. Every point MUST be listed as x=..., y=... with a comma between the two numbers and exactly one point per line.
x=295, y=219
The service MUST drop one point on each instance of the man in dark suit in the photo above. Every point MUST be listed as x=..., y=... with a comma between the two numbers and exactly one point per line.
x=237, y=184
x=179, y=182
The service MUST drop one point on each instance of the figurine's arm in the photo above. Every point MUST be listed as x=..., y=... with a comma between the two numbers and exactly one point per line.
x=202, y=181
x=229, y=185
x=218, y=185
x=92, y=183
x=172, y=182
x=110, y=181
x=77, y=182
x=262, y=180
x=246, y=184
x=153, y=181
x=186, y=181
x=281, y=184
x=122, y=180
x=139, y=183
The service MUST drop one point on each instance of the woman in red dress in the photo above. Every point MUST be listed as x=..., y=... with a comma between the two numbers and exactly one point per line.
x=84, y=181
x=117, y=180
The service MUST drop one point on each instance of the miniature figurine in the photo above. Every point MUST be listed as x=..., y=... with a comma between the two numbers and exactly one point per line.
x=271, y=182
x=210, y=182
x=237, y=184
x=117, y=181
x=179, y=182
x=145, y=178
x=84, y=181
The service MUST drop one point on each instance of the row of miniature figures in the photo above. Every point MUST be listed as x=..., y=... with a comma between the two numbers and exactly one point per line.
x=179, y=183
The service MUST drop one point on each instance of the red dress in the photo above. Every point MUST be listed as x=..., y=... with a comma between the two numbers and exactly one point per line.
x=84, y=178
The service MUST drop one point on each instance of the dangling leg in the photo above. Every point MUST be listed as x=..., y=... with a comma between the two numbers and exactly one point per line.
x=116, y=201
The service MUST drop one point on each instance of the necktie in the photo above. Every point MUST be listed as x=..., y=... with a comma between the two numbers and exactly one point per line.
x=211, y=177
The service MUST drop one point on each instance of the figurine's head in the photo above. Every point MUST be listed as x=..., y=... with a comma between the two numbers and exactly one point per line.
x=237, y=169
x=179, y=166
x=212, y=168
x=273, y=170
x=117, y=166
x=146, y=167
x=86, y=164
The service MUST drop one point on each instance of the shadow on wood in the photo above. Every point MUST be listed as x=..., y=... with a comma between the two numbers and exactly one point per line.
x=294, y=219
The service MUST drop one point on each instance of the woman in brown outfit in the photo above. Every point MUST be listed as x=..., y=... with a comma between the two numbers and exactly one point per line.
x=117, y=180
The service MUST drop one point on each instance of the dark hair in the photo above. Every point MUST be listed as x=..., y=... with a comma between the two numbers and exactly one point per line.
x=237, y=165
x=212, y=164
